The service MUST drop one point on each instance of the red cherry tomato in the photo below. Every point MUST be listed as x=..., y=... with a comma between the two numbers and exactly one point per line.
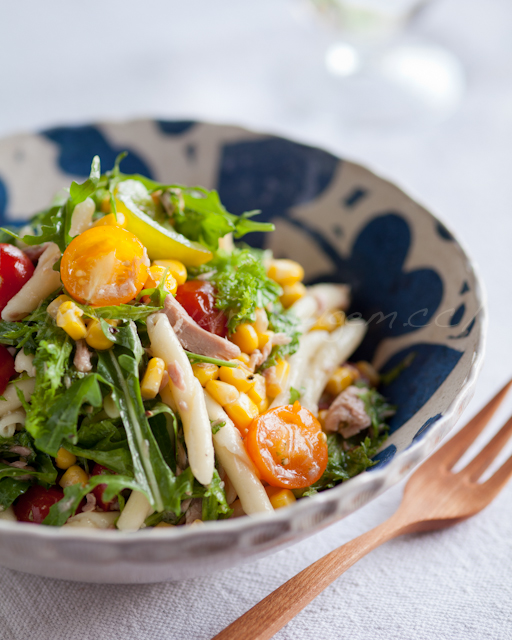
x=15, y=269
x=6, y=368
x=197, y=297
x=100, y=470
x=34, y=505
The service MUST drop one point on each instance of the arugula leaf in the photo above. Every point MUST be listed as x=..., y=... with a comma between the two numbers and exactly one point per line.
x=64, y=413
x=217, y=425
x=137, y=312
x=10, y=489
x=165, y=429
x=54, y=223
x=120, y=368
x=46, y=474
x=281, y=321
x=214, y=500
x=19, y=439
x=18, y=334
x=74, y=494
x=51, y=362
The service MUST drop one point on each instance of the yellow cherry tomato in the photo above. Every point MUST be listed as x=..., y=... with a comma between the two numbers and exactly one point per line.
x=104, y=266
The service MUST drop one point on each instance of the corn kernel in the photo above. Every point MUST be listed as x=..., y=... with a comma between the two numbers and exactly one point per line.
x=111, y=220
x=322, y=414
x=261, y=322
x=64, y=459
x=74, y=475
x=243, y=357
x=241, y=377
x=242, y=412
x=340, y=379
x=205, y=372
x=163, y=524
x=245, y=337
x=282, y=498
x=69, y=319
x=222, y=392
x=258, y=392
x=292, y=293
x=53, y=307
x=276, y=382
x=369, y=372
x=152, y=379
x=176, y=268
x=95, y=337
x=155, y=275
x=263, y=338
x=285, y=272
x=329, y=321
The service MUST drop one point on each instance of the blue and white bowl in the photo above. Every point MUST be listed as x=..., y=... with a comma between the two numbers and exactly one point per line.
x=411, y=280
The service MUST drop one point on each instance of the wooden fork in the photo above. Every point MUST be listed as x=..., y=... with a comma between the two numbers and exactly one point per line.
x=434, y=498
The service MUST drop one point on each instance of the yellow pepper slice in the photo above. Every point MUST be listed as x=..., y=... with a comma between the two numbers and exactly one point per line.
x=160, y=242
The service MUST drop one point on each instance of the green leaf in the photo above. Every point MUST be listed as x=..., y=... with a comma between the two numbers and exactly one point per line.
x=281, y=321
x=10, y=489
x=74, y=494
x=62, y=424
x=196, y=357
x=52, y=363
x=295, y=394
x=134, y=312
x=214, y=500
x=150, y=469
x=242, y=284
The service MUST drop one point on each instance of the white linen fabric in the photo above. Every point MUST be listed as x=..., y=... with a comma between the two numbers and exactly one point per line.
x=72, y=62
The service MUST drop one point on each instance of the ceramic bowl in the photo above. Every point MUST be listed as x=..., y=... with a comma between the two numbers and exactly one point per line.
x=411, y=280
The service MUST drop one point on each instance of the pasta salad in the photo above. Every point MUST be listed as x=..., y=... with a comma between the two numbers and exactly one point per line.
x=153, y=373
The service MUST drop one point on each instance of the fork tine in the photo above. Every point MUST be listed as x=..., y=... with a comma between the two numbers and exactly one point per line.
x=459, y=444
x=480, y=462
x=497, y=481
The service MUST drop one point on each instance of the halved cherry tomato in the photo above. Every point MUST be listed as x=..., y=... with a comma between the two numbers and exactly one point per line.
x=34, y=505
x=197, y=297
x=100, y=470
x=288, y=447
x=15, y=269
x=104, y=266
x=6, y=368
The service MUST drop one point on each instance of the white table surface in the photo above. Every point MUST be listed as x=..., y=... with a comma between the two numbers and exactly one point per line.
x=71, y=62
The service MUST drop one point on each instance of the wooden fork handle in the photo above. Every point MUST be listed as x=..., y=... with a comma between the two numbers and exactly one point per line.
x=278, y=608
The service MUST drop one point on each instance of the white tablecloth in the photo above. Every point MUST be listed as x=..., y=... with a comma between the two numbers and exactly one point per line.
x=71, y=62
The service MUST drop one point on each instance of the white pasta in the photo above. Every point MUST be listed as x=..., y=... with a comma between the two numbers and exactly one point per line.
x=43, y=282
x=24, y=362
x=340, y=345
x=82, y=217
x=235, y=461
x=9, y=422
x=93, y=520
x=136, y=510
x=300, y=362
x=188, y=396
x=319, y=299
x=12, y=402
x=8, y=515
